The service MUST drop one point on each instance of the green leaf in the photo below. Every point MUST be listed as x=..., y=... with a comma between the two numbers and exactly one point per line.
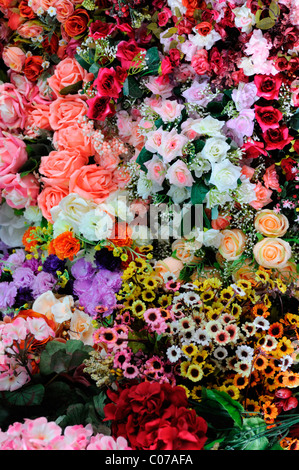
x=94, y=68
x=198, y=192
x=30, y=395
x=294, y=122
x=144, y=156
x=82, y=62
x=170, y=32
x=265, y=23
x=233, y=407
x=153, y=61
x=134, y=341
x=71, y=89
x=99, y=403
x=131, y=88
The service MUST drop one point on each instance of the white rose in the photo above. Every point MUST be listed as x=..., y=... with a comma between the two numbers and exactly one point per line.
x=12, y=227
x=117, y=205
x=96, y=225
x=71, y=208
x=225, y=175
x=215, y=149
x=216, y=198
x=208, y=126
x=178, y=194
x=33, y=214
x=244, y=19
x=61, y=225
x=207, y=41
x=212, y=238
x=81, y=327
x=245, y=193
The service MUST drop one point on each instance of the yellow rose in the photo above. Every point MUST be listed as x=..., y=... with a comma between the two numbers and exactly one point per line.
x=272, y=253
x=270, y=224
x=232, y=244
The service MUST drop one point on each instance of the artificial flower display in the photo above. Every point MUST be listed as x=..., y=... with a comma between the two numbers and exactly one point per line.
x=149, y=176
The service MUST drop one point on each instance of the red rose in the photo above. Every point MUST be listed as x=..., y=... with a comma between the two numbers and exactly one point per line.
x=26, y=11
x=296, y=146
x=267, y=117
x=98, y=29
x=277, y=138
x=281, y=64
x=77, y=23
x=216, y=60
x=254, y=149
x=289, y=167
x=107, y=83
x=268, y=86
x=164, y=16
x=33, y=67
x=166, y=66
x=100, y=108
x=121, y=74
x=52, y=46
x=127, y=51
x=204, y=28
x=185, y=26
x=175, y=57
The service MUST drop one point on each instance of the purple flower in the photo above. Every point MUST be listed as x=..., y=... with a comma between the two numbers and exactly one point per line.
x=32, y=264
x=53, y=264
x=16, y=259
x=23, y=277
x=81, y=285
x=105, y=259
x=8, y=292
x=42, y=283
x=82, y=269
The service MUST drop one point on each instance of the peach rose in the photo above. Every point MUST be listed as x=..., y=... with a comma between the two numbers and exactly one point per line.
x=185, y=250
x=93, y=182
x=81, y=327
x=73, y=138
x=38, y=117
x=288, y=273
x=270, y=224
x=12, y=154
x=30, y=30
x=19, y=192
x=263, y=196
x=67, y=72
x=272, y=253
x=121, y=177
x=107, y=160
x=271, y=178
x=170, y=265
x=14, y=58
x=232, y=244
x=49, y=198
x=247, y=171
x=64, y=9
x=66, y=111
x=246, y=272
x=58, y=166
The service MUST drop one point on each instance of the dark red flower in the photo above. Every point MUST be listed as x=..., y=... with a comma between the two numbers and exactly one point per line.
x=107, y=83
x=127, y=51
x=100, y=107
x=277, y=138
x=33, y=67
x=288, y=166
x=254, y=148
x=98, y=29
x=155, y=416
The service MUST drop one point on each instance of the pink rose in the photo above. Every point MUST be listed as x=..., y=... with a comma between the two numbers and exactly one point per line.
x=121, y=177
x=65, y=111
x=12, y=154
x=200, y=62
x=263, y=196
x=247, y=171
x=271, y=178
x=14, y=58
x=93, y=182
x=12, y=109
x=67, y=72
x=73, y=137
x=19, y=192
x=172, y=145
x=50, y=197
x=127, y=51
x=243, y=124
x=169, y=110
x=156, y=170
x=59, y=166
x=107, y=160
x=179, y=175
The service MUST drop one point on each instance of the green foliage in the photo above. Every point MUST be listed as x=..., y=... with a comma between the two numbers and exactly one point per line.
x=63, y=357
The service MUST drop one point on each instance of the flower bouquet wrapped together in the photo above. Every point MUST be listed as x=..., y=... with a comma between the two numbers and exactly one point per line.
x=148, y=224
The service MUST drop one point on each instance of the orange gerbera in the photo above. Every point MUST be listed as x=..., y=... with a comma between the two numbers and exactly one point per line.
x=291, y=380
x=29, y=241
x=276, y=330
x=123, y=234
x=260, y=310
x=65, y=246
x=270, y=411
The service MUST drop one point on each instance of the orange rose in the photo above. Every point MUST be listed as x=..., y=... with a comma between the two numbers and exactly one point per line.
x=77, y=23
x=64, y=111
x=246, y=272
x=59, y=166
x=232, y=244
x=28, y=239
x=204, y=28
x=270, y=224
x=50, y=197
x=272, y=253
x=67, y=72
x=66, y=245
x=92, y=182
x=73, y=138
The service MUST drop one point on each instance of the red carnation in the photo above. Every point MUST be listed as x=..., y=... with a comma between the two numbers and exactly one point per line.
x=155, y=416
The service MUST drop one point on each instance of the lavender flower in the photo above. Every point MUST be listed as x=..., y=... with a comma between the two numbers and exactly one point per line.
x=8, y=292
x=42, y=283
x=23, y=277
